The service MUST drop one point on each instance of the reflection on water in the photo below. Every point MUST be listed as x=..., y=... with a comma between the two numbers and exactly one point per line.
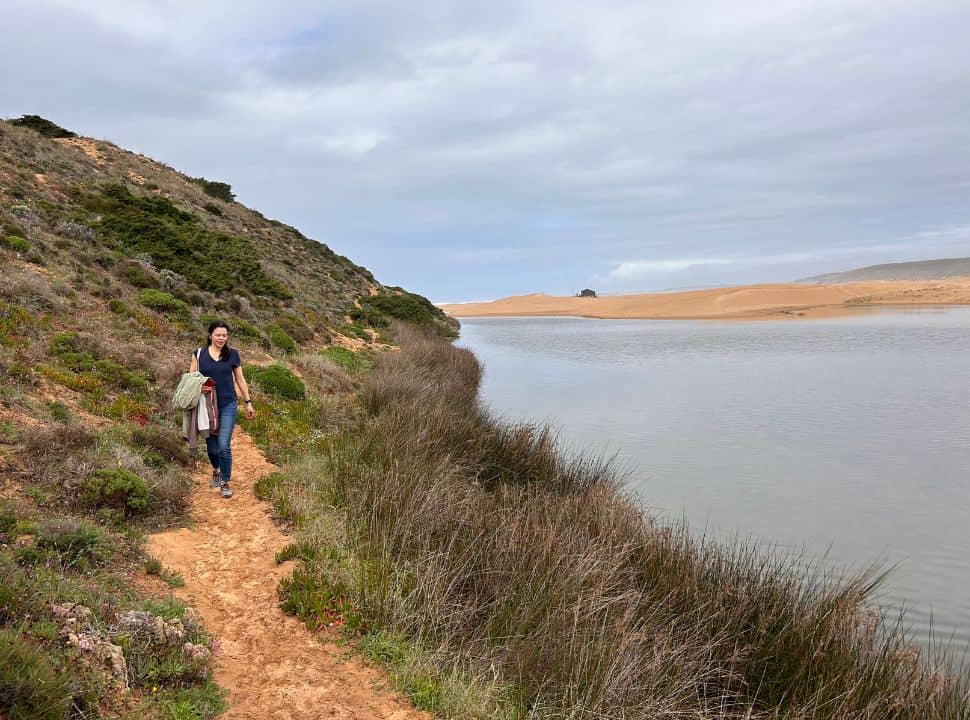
x=848, y=435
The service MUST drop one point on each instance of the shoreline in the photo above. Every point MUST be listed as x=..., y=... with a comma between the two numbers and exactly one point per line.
x=744, y=302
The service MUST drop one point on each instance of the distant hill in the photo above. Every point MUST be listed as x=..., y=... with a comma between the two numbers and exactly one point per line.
x=915, y=270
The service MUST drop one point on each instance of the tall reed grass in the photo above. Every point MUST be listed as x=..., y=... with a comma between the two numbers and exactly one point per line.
x=485, y=542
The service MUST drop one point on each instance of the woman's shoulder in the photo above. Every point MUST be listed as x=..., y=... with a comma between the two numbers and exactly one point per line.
x=234, y=357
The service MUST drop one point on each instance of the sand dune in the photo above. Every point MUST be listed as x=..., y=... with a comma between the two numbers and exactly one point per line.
x=747, y=301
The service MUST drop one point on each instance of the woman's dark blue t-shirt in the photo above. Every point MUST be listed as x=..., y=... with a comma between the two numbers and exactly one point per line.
x=221, y=372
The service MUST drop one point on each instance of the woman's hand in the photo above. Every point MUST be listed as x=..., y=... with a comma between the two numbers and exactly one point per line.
x=250, y=413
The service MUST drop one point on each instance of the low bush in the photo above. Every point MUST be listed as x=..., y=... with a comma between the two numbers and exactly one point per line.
x=120, y=307
x=17, y=243
x=347, y=359
x=43, y=126
x=280, y=339
x=178, y=240
x=139, y=276
x=214, y=188
x=76, y=543
x=280, y=382
x=163, y=441
x=31, y=688
x=213, y=208
x=162, y=301
x=118, y=488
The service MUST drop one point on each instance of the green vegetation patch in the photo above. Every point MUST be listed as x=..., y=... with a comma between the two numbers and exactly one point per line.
x=215, y=188
x=76, y=543
x=13, y=320
x=279, y=381
x=177, y=240
x=43, y=126
x=400, y=306
x=162, y=301
x=31, y=688
x=348, y=359
x=280, y=339
x=17, y=243
x=118, y=488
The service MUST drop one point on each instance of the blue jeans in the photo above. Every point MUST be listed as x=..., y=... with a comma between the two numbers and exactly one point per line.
x=217, y=446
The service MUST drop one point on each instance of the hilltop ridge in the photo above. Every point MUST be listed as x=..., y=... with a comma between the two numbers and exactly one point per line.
x=938, y=269
x=80, y=200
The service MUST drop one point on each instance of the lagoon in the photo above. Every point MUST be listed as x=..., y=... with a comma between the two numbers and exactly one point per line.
x=848, y=437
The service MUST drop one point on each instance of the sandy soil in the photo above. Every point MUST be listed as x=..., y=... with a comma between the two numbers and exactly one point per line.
x=748, y=301
x=272, y=666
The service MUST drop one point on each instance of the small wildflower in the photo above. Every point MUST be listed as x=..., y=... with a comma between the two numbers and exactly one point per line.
x=154, y=688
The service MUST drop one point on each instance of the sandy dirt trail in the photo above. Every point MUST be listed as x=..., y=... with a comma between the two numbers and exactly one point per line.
x=272, y=666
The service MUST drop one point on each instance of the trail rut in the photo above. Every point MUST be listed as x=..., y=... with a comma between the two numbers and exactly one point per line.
x=271, y=665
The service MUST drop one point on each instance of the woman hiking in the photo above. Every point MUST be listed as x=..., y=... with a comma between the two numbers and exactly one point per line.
x=221, y=363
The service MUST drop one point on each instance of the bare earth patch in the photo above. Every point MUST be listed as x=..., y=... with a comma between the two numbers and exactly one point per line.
x=271, y=665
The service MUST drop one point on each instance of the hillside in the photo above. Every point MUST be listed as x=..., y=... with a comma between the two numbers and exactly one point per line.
x=111, y=266
x=121, y=222
x=940, y=269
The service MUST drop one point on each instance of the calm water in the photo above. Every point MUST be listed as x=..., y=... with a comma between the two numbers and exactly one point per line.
x=849, y=435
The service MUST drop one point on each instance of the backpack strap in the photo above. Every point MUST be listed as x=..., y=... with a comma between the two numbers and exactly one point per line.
x=198, y=354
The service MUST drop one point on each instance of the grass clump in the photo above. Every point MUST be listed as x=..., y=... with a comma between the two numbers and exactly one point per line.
x=280, y=339
x=31, y=688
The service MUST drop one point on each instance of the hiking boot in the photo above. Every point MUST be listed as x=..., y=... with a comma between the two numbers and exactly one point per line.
x=216, y=480
x=225, y=491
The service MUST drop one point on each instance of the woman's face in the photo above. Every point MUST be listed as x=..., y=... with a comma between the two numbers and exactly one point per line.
x=219, y=337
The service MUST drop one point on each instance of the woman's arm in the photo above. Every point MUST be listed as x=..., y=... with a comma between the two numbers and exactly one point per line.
x=194, y=365
x=237, y=375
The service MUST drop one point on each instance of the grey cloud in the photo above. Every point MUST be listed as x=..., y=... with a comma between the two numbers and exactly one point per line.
x=481, y=149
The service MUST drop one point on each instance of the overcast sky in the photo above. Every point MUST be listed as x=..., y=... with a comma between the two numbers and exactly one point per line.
x=481, y=149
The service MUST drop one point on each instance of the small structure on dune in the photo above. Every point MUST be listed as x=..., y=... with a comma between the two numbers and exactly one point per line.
x=587, y=293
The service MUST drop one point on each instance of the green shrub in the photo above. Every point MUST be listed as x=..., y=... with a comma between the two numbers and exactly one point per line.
x=213, y=208
x=15, y=242
x=351, y=330
x=76, y=543
x=162, y=301
x=139, y=277
x=119, y=307
x=296, y=328
x=60, y=412
x=279, y=381
x=347, y=359
x=244, y=329
x=117, y=487
x=178, y=240
x=404, y=306
x=162, y=441
x=8, y=520
x=30, y=687
x=13, y=320
x=280, y=339
x=43, y=126
x=216, y=189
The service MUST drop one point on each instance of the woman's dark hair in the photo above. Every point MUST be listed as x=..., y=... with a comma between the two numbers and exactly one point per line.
x=224, y=353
